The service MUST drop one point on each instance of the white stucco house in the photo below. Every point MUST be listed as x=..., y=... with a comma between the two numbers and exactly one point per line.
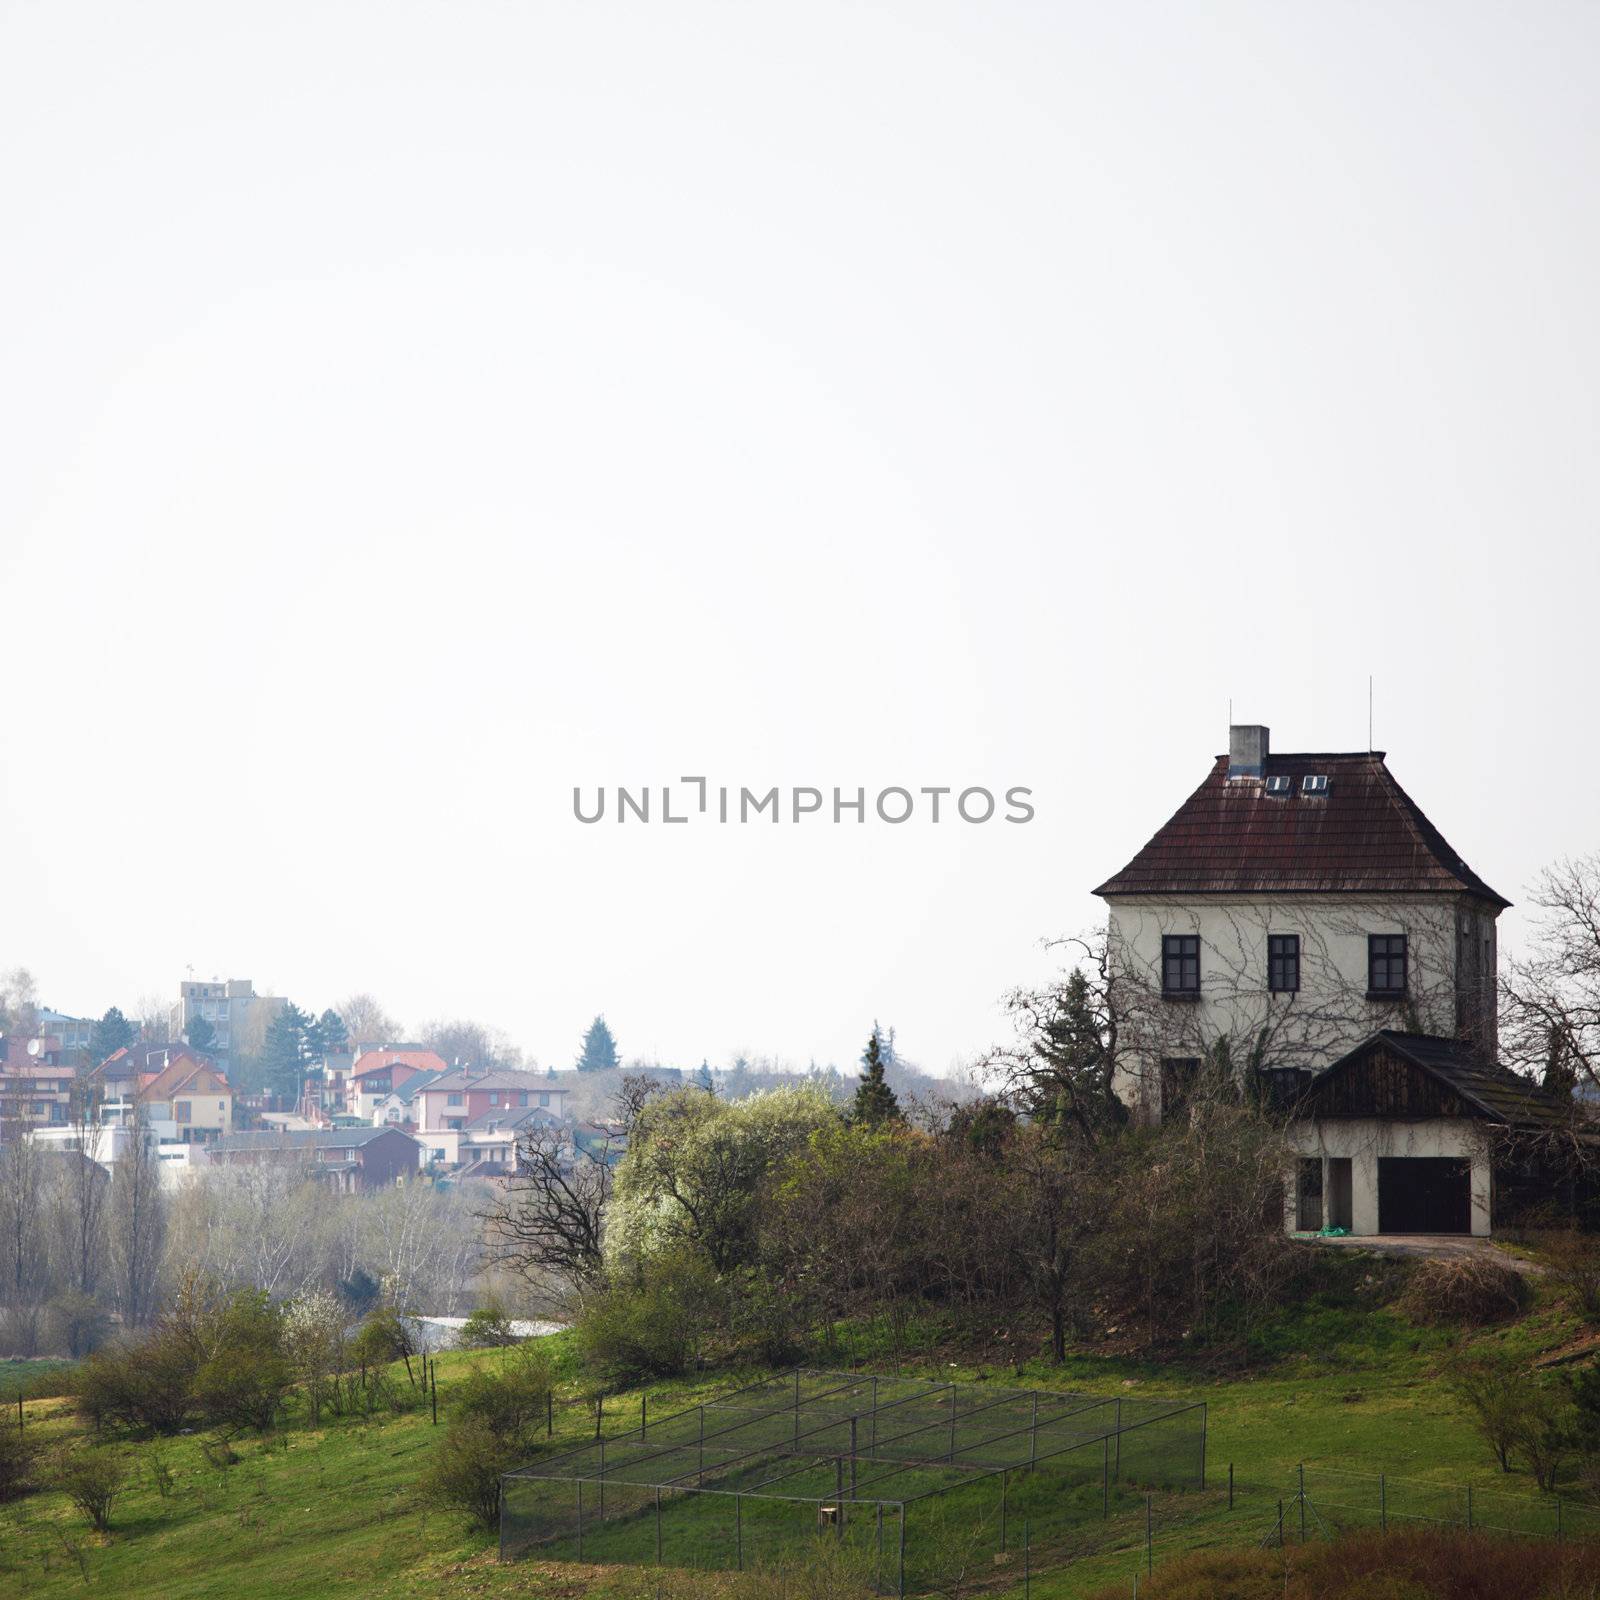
x=1300, y=922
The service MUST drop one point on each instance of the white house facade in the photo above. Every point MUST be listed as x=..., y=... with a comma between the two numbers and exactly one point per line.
x=1294, y=908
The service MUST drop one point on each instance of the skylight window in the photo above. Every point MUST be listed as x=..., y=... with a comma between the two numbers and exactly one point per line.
x=1280, y=783
x=1314, y=783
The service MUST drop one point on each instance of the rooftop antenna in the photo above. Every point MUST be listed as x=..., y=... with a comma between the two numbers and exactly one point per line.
x=1369, y=713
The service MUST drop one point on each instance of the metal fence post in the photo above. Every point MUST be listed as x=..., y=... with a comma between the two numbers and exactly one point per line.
x=1105, y=1476
x=902, y=1549
x=1280, y=1524
x=701, y=1480
x=1033, y=1431
x=644, y=1416
x=738, y=1529
x=580, y=1519
x=1004, y=1480
x=658, y=1525
x=1230, y=1486
x=1149, y=1535
x=852, y=1458
x=1383, y=1504
x=1119, y=1439
x=1469, y=1508
x=1302, y=1502
x=550, y=1414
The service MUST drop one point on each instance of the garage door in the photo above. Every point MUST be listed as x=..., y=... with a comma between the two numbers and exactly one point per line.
x=1424, y=1194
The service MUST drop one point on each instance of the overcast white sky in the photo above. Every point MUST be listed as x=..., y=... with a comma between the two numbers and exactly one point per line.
x=412, y=411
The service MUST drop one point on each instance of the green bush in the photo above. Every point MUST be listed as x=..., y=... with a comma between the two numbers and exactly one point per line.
x=649, y=1325
x=92, y=1478
x=78, y=1323
x=487, y=1328
x=19, y=1461
x=464, y=1471
x=382, y=1338
x=242, y=1388
x=512, y=1402
x=144, y=1387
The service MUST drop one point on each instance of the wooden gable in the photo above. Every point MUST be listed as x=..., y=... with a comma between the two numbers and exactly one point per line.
x=1376, y=1082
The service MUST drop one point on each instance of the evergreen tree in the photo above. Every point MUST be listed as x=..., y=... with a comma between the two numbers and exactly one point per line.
x=599, y=1052
x=1560, y=1076
x=326, y=1035
x=200, y=1033
x=703, y=1079
x=113, y=1032
x=874, y=1103
x=284, y=1055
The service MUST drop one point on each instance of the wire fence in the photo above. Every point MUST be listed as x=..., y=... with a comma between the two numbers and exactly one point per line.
x=1314, y=1502
x=918, y=1479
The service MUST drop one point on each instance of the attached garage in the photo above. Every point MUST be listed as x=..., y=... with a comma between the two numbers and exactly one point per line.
x=1398, y=1137
x=1424, y=1194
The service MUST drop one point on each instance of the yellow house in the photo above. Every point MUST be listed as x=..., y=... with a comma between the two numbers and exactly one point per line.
x=195, y=1097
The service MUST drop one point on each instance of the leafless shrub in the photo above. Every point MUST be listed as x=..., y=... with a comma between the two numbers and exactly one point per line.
x=1463, y=1290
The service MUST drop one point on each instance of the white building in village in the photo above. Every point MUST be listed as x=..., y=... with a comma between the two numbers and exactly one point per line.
x=1301, y=919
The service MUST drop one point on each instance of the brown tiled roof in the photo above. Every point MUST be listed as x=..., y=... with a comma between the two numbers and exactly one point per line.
x=1494, y=1091
x=1366, y=835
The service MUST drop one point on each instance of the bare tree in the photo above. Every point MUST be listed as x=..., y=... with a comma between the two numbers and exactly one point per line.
x=1551, y=996
x=21, y=1193
x=366, y=1022
x=472, y=1044
x=153, y=1015
x=138, y=1223
x=19, y=1003
x=85, y=1185
x=548, y=1221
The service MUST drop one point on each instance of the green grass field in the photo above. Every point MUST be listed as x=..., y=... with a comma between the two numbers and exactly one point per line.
x=1339, y=1382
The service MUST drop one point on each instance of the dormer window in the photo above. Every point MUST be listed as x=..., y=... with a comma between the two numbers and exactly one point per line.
x=1279, y=784
x=1180, y=964
x=1314, y=783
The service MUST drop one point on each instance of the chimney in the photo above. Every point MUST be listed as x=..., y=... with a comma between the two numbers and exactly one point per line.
x=1247, y=750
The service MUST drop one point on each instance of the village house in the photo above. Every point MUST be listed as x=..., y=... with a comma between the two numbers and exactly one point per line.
x=456, y=1103
x=346, y=1159
x=35, y=1084
x=377, y=1071
x=195, y=1097
x=401, y=1108
x=486, y=1146
x=1300, y=923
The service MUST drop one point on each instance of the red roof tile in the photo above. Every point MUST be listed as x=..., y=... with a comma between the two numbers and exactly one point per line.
x=1366, y=835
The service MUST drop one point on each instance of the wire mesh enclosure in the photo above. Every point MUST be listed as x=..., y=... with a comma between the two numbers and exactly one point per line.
x=913, y=1477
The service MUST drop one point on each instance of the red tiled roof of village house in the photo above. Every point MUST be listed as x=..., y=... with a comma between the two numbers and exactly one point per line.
x=379, y=1058
x=1366, y=835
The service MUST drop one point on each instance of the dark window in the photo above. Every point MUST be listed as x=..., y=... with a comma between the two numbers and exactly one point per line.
x=1309, y=1207
x=1180, y=963
x=1178, y=1075
x=1386, y=964
x=1283, y=962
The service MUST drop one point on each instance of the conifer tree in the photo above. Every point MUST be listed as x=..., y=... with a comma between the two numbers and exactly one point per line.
x=113, y=1032
x=599, y=1052
x=875, y=1101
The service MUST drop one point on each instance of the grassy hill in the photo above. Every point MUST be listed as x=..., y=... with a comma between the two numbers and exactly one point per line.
x=1339, y=1380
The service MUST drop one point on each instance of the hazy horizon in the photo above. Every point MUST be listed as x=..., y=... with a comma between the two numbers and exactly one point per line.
x=417, y=412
